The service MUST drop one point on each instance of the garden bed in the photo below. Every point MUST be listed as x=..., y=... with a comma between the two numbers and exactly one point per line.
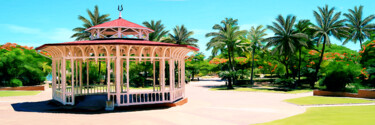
x=362, y=93
x=27, y=88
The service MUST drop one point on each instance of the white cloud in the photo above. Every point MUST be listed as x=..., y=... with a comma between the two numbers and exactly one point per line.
x=56, y=34
x=20, y=29
x=60, y=34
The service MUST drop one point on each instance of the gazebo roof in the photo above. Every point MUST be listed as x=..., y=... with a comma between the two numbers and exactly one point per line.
x=117, y=42
x=119, y=23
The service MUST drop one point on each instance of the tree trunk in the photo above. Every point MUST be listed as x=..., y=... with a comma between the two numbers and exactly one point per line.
x=312, y=83
x=299, y=67
x=286, y=68
x=192, y=75
x=230, y=71
x=252, y=68
x=234, y=69
x=360, y=43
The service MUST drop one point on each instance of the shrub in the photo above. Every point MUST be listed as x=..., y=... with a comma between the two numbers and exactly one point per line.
x=339, y=74
x=15, y=83
x=285, y=82
x=22, y=63
x=368, y=62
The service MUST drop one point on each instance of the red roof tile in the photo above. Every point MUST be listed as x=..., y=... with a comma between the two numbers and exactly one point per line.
x=118, y=42
x=119, y=23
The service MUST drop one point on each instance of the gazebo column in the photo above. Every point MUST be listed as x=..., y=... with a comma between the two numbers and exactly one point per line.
x=183, y=76
x=127, y=77
x=59, y=74
x=122, y=75
x=153, y=69
x=108, y=77
x=53, y=77
x=63, y=79
x=162, y=76
x=80, y=76
x=118, y=74
x=72, y=71
x=87, y=75
x=171, y=79
x=179, y=73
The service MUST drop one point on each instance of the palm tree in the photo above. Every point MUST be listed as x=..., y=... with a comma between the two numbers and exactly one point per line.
x=328, y=23
x=158, y=28
x=226, y=39
x=255, y=36
x=303, y=26
x=181, y=36
x=358, y=29
x=286, y=40
x=95, y=19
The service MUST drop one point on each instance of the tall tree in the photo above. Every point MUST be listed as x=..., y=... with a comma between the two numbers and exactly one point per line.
x=95, y=18
x=226, y=39
x=181, y=36
x=359, y=29
x=328, y=23
x=256, y=37
x=286, y=40
x=158, y=28
x=303, y=26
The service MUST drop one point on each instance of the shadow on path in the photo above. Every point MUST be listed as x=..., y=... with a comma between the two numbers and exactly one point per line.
x=51, y=106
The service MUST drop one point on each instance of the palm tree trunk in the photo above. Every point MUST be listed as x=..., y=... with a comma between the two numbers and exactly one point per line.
x=233, y=68
x=286, y=67
x=299, y=67
x=318, y=65
x=287, y=70
x=360, y=43
x=252, y=68
x=230, y=71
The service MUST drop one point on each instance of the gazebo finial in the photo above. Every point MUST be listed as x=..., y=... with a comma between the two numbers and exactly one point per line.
x=119, y=8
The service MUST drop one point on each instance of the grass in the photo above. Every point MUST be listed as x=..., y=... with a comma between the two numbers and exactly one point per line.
x=340, y=115
x=265, y=89
x=316, y=100
x=17, y=93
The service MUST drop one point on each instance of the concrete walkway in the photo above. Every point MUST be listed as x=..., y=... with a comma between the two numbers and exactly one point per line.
x=205, y=107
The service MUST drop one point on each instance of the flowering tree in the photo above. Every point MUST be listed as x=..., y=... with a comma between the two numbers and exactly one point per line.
x=368, y=62
x=22, y=65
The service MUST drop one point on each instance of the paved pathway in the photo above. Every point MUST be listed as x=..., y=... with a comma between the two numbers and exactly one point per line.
x=205, y=107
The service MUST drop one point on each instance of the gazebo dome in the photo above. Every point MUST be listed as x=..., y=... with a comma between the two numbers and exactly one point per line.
x=118, y=43
x=119, y=28
x=120, y=22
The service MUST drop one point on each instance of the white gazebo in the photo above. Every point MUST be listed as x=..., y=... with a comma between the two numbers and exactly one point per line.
x=118, y=43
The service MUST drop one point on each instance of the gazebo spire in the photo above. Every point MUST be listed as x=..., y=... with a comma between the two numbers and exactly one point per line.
x=119, y=8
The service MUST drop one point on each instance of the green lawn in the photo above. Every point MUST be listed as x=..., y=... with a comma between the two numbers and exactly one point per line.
x=315, y=100
x=340, y=115
x=262, y=90
x=18, y=93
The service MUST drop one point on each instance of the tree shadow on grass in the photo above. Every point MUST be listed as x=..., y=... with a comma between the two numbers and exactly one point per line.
x=51, y=106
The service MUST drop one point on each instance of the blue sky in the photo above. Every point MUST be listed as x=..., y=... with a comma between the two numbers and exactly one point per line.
x=34, y=23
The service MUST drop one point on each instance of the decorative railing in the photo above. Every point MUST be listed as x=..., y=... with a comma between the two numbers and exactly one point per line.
x=135, y=98
x=125, y=99
x=69, y=98
x=91, y=89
